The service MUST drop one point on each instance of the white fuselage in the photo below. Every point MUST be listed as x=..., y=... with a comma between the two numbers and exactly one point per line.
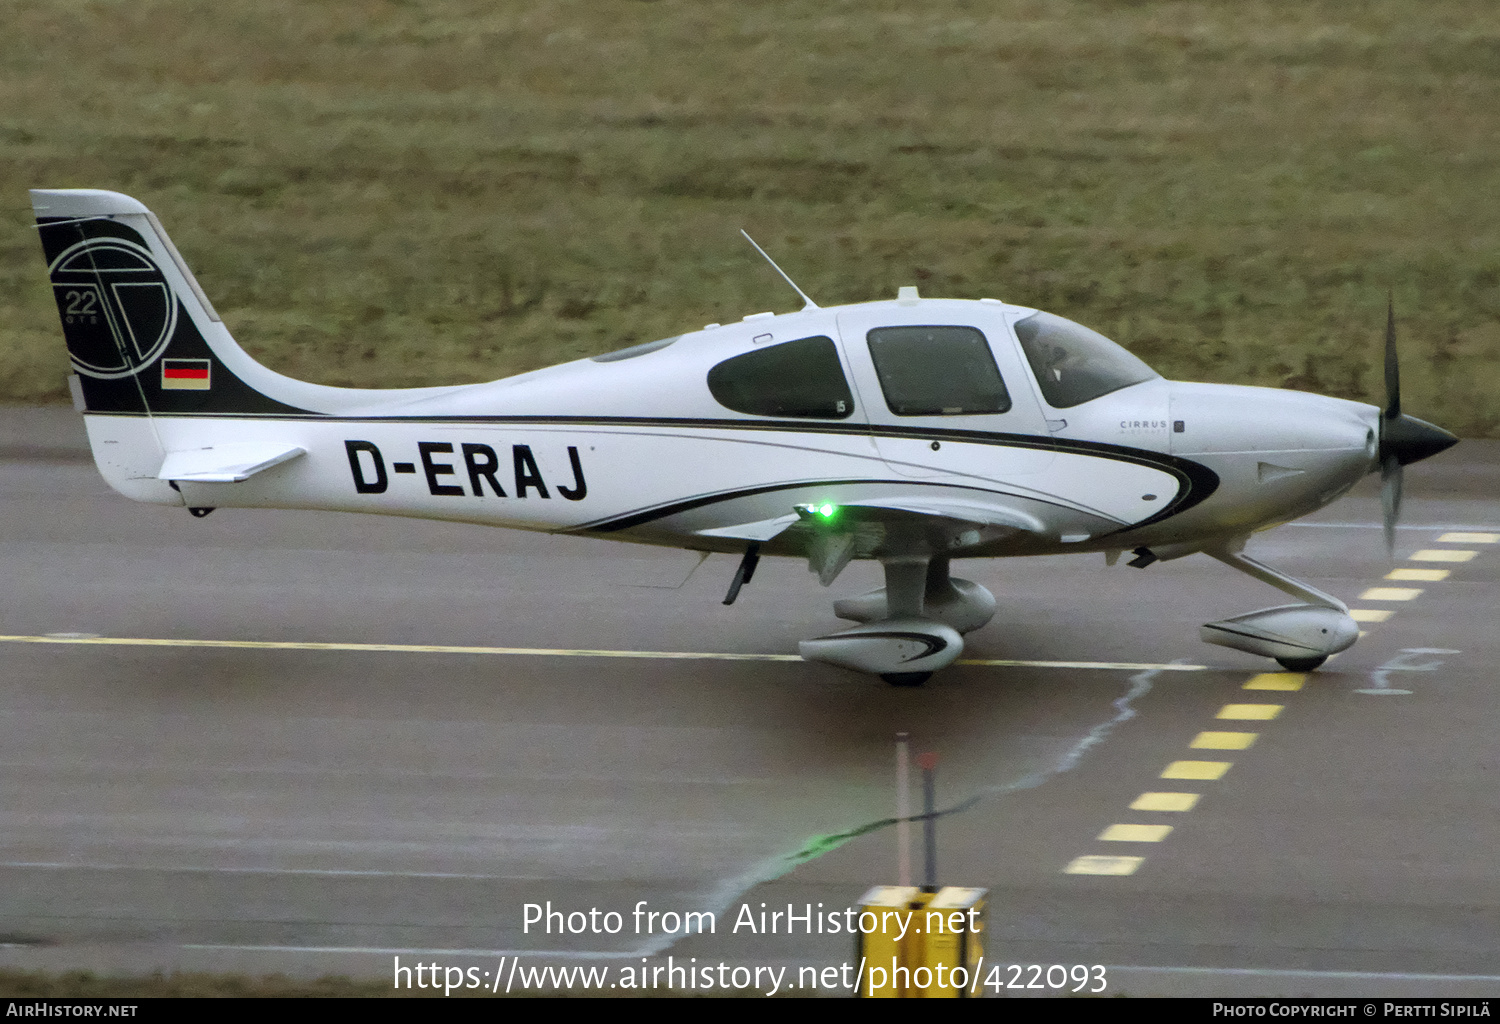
x=639, y=449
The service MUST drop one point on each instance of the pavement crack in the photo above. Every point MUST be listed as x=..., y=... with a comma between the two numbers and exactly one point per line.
x=731, y=889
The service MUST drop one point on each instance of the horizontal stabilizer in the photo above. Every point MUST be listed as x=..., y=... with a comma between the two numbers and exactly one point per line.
x=225, y=463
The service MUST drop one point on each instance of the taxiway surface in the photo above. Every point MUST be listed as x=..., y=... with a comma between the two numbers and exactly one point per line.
x=319, y=811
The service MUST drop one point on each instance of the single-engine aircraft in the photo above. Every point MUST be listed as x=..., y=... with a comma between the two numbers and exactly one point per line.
x=913, y=431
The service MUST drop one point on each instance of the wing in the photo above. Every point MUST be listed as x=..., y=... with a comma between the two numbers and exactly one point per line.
x=927, y=525
x=963, y=514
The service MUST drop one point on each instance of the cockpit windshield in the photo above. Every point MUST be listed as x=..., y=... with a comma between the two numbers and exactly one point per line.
x=1073, y=364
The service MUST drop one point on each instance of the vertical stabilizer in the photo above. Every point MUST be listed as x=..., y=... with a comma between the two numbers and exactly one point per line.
x=142, y=336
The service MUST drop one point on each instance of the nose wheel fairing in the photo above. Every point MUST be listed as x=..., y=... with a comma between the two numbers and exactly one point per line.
x=1298, y=636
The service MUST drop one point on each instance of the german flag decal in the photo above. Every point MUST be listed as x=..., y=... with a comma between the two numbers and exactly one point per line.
x=185, y=374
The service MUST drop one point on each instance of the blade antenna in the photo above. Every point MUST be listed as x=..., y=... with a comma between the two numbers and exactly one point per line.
x=809, y=303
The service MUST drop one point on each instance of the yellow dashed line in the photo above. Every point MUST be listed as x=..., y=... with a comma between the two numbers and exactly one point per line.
x=1426, y=575
x=1103, y=865
x=1135, y=833
x=1277, y=681
x=1285, y=681
x=1391, y=594
x=1205, y=770
x=1441, y=555
x=1165, y=802
x=1223, y=740
x=1256, y=712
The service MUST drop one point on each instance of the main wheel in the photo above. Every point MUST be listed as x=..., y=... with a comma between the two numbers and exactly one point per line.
x=1301, y=664
x=906, y=678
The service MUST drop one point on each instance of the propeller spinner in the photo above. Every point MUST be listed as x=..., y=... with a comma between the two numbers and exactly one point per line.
x=1403, y=439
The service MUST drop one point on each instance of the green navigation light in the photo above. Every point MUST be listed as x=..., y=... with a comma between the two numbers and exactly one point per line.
x=827, y=511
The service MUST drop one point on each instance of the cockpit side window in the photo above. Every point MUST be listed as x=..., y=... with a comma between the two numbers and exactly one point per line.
x=1073, y=364
x=937, y=371
x=796, y=378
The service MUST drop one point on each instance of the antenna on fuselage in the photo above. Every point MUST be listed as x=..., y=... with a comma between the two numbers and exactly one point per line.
x=810, y=304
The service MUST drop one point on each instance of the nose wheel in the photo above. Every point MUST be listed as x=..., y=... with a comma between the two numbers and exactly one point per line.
x=1300, y=664
x=906, y=678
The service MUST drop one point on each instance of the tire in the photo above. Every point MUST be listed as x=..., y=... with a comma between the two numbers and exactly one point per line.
x=1300, y=664
x=906, y=678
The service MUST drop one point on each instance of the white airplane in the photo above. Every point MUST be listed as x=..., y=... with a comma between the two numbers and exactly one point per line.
x=912, y=431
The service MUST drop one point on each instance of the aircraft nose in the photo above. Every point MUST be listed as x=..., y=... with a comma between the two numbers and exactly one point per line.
x=1412, y=440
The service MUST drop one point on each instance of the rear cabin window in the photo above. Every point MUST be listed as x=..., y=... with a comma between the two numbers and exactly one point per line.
x=1073, y=364
x=937, y=371
x=796, y=378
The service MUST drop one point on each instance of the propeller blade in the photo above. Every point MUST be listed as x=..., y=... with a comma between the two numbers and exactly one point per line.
x=1392, y=366
x=1403, y=438
x=1391, y=475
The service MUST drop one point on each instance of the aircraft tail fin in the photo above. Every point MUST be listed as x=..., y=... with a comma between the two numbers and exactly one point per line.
x=142, y=336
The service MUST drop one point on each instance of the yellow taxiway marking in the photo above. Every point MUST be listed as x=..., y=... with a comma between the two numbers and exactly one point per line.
x=1370, y=614
x=1223, y=740
x=1259, y=712
x=1165, y=802
x=1277, y=681
x=1391, y=594
x=1103, y=865
x=1469, y=538
x=1209, y=771
x=538, y=652
x=1425, y=575
x=1135, y=833
x=1204, y=770
x=1441, y=555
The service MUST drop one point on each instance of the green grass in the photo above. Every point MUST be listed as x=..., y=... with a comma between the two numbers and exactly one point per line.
x=402, y=193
